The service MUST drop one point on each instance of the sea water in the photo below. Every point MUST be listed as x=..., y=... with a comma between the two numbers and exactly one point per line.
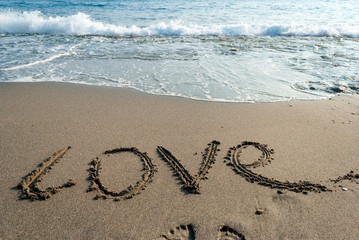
x=228, y=50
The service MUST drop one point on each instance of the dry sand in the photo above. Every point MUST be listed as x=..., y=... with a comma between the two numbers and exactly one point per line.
x=243, y=188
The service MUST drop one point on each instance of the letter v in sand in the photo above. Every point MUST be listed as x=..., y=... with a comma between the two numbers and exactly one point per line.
x=191, y=183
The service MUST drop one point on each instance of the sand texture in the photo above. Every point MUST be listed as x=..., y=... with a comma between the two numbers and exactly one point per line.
x=83, y=162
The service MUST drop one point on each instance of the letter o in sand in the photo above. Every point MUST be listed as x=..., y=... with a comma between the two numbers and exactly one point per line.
x=104, y=192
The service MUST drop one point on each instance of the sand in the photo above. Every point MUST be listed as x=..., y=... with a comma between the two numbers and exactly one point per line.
x=155, y=167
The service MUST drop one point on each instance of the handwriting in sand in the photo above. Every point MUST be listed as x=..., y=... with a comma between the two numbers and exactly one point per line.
x=29, y=188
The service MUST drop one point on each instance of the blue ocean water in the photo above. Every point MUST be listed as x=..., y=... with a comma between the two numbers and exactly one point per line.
x=229, y=50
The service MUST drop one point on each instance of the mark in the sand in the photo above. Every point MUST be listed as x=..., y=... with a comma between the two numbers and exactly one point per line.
x=29, y=186
x=227, y=233
x=188, y=232
x=182, y=232
x=104, y=192
x=233, y=160
x=191, y=183
x=264, y=159
x=342, y=122
x=351, y=176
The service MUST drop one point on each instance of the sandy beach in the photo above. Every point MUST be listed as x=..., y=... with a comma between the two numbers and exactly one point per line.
x=156, y=167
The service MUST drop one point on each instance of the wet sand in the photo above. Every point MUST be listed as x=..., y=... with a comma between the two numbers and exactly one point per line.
x=154, y=167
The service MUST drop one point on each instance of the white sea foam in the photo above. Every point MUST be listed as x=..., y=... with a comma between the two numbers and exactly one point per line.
x=83, y=24
x=37, y=62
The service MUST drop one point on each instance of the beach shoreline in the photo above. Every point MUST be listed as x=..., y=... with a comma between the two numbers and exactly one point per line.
x=313, y=141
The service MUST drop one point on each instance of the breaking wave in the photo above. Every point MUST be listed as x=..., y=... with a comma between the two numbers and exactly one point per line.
x=34, y=22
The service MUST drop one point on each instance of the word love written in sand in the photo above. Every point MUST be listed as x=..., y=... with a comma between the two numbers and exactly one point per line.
x=30, y=189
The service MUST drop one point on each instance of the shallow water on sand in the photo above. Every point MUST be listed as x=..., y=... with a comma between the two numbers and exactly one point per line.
x=234, y=51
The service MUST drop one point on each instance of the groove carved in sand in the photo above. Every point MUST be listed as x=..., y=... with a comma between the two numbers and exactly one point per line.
x=29, y=186
x=191, y=183
x=233, y=160
x=351, y=176
x=131, y=191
